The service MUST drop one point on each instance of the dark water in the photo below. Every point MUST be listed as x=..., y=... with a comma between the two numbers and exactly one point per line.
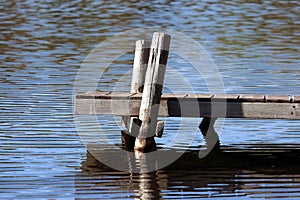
x=255, y=45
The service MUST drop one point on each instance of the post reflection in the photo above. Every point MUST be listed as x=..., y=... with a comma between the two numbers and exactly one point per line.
x=222, y=173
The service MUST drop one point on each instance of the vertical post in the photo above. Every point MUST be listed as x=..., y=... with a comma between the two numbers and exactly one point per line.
x=141, y=57
x=207, y=125
x=211, y=137
x=152, y=91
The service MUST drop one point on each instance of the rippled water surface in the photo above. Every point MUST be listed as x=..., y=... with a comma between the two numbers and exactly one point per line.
x=255, y=45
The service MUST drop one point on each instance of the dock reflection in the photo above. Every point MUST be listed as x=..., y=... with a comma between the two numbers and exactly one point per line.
x=225, y=172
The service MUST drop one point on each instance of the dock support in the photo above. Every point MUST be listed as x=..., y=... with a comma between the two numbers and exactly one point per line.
x=212, y=142
x=141, y=57
x=152, y=92
x=207, y=125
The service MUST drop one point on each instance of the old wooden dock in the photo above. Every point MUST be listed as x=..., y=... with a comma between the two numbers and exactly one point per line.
x=141, y=106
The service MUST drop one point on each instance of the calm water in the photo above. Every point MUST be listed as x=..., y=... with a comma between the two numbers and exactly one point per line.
x=255, y=45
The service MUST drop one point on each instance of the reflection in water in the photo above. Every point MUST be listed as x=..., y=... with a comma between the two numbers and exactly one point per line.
x=224, y=173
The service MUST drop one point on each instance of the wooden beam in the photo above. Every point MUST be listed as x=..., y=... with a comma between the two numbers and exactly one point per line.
x=184, y=106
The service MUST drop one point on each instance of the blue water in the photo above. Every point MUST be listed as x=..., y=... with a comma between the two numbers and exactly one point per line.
x=254, y=44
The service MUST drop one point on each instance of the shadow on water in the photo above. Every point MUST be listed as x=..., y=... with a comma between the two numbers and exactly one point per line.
x=259, y=171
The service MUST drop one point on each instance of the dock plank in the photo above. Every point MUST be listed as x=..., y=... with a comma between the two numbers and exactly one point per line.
x=251, y=98
x=278, y=98
x=192, y=105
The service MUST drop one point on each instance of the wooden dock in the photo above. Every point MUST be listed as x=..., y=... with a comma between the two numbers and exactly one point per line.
x=192, y=105
x=145, y=102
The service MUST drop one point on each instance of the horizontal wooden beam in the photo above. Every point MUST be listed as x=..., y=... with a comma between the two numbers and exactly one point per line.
x=192, y=105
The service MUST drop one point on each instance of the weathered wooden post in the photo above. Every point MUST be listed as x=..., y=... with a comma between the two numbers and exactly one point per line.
x=141, y=57
x=152, y=91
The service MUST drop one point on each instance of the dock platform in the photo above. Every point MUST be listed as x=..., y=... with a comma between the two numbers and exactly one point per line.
x=192, y=105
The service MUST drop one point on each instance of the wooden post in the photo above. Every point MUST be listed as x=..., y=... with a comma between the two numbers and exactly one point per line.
x=207, y=125
x=141, y=57
x=152, y=91
x=211, y=136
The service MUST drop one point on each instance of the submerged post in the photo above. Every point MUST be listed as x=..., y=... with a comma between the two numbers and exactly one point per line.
x=152, y=91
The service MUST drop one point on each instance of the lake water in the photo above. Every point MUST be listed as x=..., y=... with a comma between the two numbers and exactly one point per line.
x=254, y=44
